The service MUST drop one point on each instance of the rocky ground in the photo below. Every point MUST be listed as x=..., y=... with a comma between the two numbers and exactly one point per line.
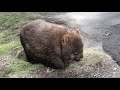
x=100, y=31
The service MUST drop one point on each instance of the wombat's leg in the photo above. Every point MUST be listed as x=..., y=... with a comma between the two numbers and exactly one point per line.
x=56, y=62
x=29, y=57
x=66, y=60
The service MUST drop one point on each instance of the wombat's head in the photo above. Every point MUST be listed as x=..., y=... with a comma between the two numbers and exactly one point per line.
x=72, y=45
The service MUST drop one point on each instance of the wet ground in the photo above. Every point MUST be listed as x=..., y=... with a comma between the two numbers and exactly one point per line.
x=100, y=29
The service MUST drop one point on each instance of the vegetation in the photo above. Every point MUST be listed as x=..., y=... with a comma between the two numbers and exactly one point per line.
x=10, y=45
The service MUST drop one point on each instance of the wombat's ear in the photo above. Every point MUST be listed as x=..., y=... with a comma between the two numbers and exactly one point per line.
x=78, y=31
x=65, y=40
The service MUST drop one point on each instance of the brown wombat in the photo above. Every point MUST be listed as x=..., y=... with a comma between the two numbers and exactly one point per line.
x=51, y=44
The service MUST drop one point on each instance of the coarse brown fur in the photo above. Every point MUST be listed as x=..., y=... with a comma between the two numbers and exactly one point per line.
x=51, y=44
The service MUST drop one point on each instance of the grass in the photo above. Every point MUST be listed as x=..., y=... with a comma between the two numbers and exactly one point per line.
x=10, y=24
x=5, y=48
x=19, y=68
x=15, y=68
x=2, y=35
x=91, y=59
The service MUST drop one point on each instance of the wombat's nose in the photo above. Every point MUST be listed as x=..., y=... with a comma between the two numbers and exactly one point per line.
x=78, y=57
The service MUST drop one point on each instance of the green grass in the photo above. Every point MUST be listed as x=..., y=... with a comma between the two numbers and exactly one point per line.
x=6, y=48
x=10, y=24
x=2, y=35
x=20, y=68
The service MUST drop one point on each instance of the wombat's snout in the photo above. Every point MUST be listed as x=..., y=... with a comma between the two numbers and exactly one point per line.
x=78, y=57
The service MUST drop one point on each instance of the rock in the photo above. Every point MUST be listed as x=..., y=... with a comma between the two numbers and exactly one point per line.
x=111, y=45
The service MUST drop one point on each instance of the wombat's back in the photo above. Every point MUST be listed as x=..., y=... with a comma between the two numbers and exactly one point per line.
x=39, y=36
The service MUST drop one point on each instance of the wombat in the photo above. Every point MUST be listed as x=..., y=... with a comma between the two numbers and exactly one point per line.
x=52, y=45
